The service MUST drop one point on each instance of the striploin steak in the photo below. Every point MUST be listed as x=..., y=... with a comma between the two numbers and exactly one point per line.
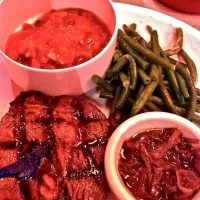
x=77, y=133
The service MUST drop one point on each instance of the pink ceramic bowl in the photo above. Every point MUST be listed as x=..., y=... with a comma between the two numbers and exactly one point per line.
x=130, y=128
x=72, y=81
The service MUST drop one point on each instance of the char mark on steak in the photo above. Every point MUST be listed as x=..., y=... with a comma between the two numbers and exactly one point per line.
x=77, y=132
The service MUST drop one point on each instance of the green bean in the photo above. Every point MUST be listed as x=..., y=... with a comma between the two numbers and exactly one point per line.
x=144, y=110
x=151, y=106
x=133, y=73
x=149, y=54
x=117, y=47
x=174, y=84
x=198, y=109
x=144, y=44
x=128, y=49
x=102, y=83
x=153, y=72
x=178, y=44
x=133, y=26
x=117, y=67
x=190, y=64
x=156, y=49
x=124, y=79
x=167, y=98
x=198, y=91
x=181, y=110
x=104, y=94
x=117, y=55
x=166, y=82
x=141, y=88
x=143, y=98
x=125, y=92
x=162, y=77
x=191, y=89
x=173, y=61
x=123, y=97
x=144, y=77
x=181, y=101
x=131, y=32
x=156, y=100
x=182, y=86
x=126, y=28
x=196, y=119
x=120, y=33
x=154, y=43
x=113, y=107
x=120, y=64
x=150, y=29
x=130, y=101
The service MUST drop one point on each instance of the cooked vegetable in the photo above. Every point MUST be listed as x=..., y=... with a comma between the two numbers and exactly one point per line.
x=167, y=98
x=178, y=45
x=156, y=100
x=144, y=76
x=174, y=83
x=182, y=86
x=126, y=89
x=120, y=33
x=113, y=107
x=128, y=49
x=191, y=89
x=117, y=55
x=104, y=94
x=160, y=164
x=102, y=83
x=143, y=98
x=133, y=26
x=150, y=29
x=148, y=53
x=149, y=79
x=190, y=64
x=153, y=107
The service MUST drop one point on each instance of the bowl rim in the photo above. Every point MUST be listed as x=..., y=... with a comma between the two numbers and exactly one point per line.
x=100, y=54
x=118, y=189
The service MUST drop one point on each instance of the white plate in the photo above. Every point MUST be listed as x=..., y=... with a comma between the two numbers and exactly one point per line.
x=126, y=14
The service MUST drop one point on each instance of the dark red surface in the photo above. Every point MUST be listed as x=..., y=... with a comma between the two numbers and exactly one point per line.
x=160, y=165
x=188, y=6
x=77, y=133
x=59, y=39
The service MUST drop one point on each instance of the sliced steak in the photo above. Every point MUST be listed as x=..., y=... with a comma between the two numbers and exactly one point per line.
x=9, y=188
x=77, y=132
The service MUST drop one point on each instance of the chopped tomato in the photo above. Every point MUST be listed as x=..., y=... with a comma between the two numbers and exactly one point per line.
x=59, y=39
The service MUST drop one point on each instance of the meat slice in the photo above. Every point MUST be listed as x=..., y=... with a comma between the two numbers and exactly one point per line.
x=86, y=189
x=35, y=116
x=77, y=133
x=10, y=126
x=93, y=130
x=81, y=131
x=9, y=188
x=45, y=184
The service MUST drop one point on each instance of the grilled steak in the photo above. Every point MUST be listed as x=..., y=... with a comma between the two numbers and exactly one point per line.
x=77, y=133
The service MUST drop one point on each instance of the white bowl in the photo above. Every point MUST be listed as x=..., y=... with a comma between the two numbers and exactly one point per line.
x=130, y=128
x=72, y=81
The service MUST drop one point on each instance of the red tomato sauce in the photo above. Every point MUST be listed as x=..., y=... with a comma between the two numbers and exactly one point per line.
x=59, y=39
x=160, y=164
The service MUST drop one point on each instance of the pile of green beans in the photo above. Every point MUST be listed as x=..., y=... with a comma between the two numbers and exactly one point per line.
x=144, y=78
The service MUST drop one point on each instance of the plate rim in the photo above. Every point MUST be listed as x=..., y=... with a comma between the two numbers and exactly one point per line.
x=130, y=8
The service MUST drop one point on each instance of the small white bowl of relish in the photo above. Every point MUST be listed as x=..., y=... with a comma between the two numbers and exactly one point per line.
x=154, y=155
